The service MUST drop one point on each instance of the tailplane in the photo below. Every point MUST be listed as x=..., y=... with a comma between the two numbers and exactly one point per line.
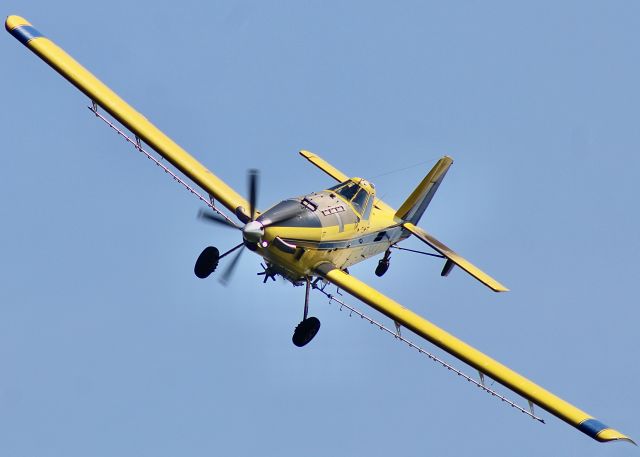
x=413, y=208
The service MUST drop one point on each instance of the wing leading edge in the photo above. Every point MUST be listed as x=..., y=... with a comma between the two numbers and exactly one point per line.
x=468, y=354
x=324, y=166
x=86, y=82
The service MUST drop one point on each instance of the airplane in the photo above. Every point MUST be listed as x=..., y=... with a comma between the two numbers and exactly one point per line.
x=315, y=237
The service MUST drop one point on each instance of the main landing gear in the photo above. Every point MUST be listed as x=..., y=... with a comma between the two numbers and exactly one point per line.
x=308, y=328
x=305, y=331
x=383, y=264
x=207, y=262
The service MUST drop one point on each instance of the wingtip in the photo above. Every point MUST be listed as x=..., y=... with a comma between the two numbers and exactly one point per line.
x=611, y=434
x=14, y=21
x=624, y=438
x=601, y=432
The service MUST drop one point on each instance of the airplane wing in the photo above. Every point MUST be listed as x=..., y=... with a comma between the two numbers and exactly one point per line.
x=98, y=92
x=468, y=354
x=453, y=258
x=324, y=166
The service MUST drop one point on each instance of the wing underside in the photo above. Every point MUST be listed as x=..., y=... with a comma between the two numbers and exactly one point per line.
x=468, y=354
x=104, y=97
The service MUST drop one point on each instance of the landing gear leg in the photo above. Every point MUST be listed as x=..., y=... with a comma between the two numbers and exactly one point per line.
x=383, y=264
x=307, y=329
x=306, y=298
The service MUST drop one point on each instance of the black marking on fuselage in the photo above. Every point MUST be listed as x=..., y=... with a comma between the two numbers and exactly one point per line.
x=380, y=235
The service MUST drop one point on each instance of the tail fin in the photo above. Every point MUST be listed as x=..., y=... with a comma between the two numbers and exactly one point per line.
x=413, y=208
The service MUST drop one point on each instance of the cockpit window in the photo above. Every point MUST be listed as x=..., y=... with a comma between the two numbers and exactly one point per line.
x=359, y=200
x=348, y=190
x=358, y=195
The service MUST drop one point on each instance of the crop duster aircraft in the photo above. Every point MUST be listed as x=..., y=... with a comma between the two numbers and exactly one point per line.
x=315, y=237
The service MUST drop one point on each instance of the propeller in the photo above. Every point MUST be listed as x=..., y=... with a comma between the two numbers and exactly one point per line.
x=253, y=192
x=228, y=272
x=215, y=218
x=252, y=231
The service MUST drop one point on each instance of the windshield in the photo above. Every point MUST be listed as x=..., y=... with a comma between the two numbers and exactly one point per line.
x=346, y=191
x=353, y=193
x=359, y=200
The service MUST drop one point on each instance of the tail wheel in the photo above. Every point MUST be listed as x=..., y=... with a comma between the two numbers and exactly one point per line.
x=383, y=266
x=305, y=331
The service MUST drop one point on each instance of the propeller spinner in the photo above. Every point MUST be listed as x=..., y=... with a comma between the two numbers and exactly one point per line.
x=252, y=231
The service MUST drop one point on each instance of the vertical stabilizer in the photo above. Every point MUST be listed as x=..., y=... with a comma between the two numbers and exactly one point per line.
x=413, y=208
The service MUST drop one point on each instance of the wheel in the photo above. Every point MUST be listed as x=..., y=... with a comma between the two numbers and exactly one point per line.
x=207, y=262
x=383, y=266
x=305, y=331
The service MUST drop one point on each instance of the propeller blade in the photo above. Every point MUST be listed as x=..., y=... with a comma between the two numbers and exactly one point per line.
x=216, y=219
x=253, y=191
x=226, y=276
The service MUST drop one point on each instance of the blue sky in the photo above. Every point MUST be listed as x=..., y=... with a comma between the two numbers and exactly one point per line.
x=109, y=345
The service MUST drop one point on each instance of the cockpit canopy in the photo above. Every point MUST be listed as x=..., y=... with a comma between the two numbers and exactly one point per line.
x=359, y=192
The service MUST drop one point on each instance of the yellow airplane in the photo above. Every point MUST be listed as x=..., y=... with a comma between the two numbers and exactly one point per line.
x=316, y=237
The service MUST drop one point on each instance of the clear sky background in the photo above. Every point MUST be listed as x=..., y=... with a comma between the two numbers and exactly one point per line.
x=110, y=346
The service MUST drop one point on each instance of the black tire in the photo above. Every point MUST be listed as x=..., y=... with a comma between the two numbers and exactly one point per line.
x=305, y=331
x=383, y=266
x=207, y=262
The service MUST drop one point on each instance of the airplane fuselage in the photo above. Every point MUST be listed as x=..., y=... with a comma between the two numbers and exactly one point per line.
x=325, y=227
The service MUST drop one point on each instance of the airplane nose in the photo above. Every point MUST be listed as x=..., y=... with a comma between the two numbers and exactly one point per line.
x=253, y=231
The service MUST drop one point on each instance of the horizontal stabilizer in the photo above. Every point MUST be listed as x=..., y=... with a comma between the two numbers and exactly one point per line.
x=455, y=258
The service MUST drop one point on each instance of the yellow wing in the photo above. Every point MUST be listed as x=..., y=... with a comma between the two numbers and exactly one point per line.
x=324, y=166
x=455, y=258
x=80, y=77
x=461, y=350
